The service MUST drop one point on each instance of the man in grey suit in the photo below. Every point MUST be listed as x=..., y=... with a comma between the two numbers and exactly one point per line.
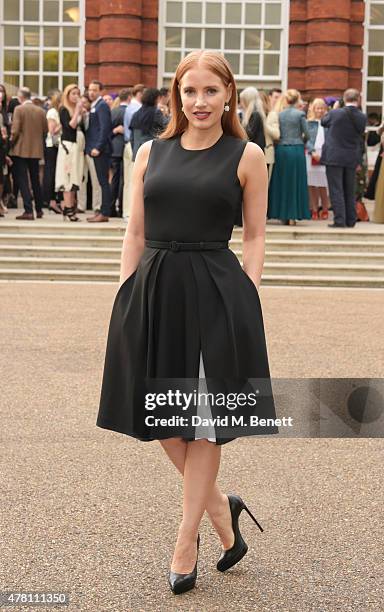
x=342, y=153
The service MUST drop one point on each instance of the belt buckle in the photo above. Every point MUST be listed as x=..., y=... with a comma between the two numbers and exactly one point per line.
x=174, y=245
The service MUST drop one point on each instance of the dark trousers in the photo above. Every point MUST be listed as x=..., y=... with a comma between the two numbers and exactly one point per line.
x=50, y=156
x=342, y=186
x=117, y=182
x=23, y=167
x=15, y=182
x=102, y=164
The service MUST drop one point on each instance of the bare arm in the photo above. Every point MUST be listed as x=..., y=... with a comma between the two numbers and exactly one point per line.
x=133, y=243
x=255, y=203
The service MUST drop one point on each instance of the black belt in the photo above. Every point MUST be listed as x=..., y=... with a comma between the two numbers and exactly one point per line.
x=173, y=245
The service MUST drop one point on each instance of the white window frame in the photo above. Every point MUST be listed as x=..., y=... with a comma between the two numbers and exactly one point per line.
x=241, y=79
x=78, y=77
x=366, y=54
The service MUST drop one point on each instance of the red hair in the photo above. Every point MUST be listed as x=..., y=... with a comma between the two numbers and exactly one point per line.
x=216, y=63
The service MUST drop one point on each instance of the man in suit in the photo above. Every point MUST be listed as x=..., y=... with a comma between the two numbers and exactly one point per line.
x=28, y=132
x=117, y=183
x=98, y=146
x=342, y=153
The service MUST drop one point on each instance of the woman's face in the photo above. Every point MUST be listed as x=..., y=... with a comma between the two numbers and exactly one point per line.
x=203, y=96
x=108, y=99
x=319, y=111
x=74, y=96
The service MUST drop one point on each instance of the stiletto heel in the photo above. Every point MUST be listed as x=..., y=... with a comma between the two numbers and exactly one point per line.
x=70, y=213
x=230, y=557
x=180, y=583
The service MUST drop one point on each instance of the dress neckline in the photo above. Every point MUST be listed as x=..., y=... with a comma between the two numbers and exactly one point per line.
x=198, y=150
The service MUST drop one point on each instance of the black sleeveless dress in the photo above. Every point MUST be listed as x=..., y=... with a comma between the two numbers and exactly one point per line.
x=185, y=315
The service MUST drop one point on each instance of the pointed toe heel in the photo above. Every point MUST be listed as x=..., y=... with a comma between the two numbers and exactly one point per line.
x=180, y=583
x=230, y=557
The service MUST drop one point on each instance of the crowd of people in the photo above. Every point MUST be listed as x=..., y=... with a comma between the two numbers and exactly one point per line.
x=75, y=151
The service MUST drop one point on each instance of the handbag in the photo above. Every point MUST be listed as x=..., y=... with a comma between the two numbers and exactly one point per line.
x=361, y=211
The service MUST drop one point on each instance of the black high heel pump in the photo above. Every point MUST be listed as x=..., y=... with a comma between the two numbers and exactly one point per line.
x=233, y=555
x=180, y=583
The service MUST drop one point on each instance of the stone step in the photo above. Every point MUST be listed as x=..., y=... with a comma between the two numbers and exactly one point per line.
x=113, y=266
x=115, y=242
x=89, y=254
x=268, y=279
x=118, y=228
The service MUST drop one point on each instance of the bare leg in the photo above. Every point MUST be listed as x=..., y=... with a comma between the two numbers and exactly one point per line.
x=314, y=198
x=217, y=505
x=324, y=198
x=68, y=199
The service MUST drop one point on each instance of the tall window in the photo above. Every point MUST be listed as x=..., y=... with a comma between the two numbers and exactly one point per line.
x=40, y=44
x=374, y=56
x=253, y=36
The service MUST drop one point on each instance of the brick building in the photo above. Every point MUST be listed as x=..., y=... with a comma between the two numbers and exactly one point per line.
x=317, y=46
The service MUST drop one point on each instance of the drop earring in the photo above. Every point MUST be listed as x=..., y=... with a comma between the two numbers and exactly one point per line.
x=226, y=107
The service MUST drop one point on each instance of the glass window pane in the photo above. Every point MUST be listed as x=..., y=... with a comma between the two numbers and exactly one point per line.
x=12, y=36
x=194, y=12
x=51, y=61
x=273, y=14
x=31, y=10
x=11, y=83
x=51, y=37
x=232, y=12
x=377, y=14
x=376, y=66
x=174, y=12
x=376, y=40
x=70, y=61
x=69, y=80
x=193, y=38
x=12, y=60
x=213, y=12
x=375, y=91
x=31, y=61
x=252, y=39
x=234, y=60
x=51, y=10
x=173, y=37
x=252, y=13
x=172, y=59
x=11, y=10
x=232, y=39
x=251, y=63
x=272, y=40
x=271, y=65
x=71, y=11
x=31, y=36
x=212, y=39
x=32, y=81
x=50, y=83
x=71, y=37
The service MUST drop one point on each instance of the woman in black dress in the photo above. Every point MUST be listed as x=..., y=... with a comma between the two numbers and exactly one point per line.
x=185, y=309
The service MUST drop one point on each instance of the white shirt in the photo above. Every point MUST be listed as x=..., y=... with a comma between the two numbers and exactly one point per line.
x=95, y=102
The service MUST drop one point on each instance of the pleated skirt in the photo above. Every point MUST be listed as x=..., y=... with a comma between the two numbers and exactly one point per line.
x=176, y=310
x=288, y=189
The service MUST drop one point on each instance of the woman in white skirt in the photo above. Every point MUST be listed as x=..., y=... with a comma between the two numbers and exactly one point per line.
x=70, y=158
x=317, y=178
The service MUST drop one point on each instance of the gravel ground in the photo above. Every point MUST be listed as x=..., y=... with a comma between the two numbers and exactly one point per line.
x=79, y=507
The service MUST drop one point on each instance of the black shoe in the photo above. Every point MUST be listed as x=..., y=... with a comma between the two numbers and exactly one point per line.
x=233, y=555
x=180, y=583
x=335, y=225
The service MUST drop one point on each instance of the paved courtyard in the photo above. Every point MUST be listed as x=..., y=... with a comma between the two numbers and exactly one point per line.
x=94, y=513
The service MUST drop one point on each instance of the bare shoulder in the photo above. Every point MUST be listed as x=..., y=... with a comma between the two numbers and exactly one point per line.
x=252, y=158
x=142, y=156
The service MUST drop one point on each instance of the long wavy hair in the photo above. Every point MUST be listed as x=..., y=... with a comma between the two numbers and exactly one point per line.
x=315, y=102
x=216, y=63
x=251, y=101
x=65, y=98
